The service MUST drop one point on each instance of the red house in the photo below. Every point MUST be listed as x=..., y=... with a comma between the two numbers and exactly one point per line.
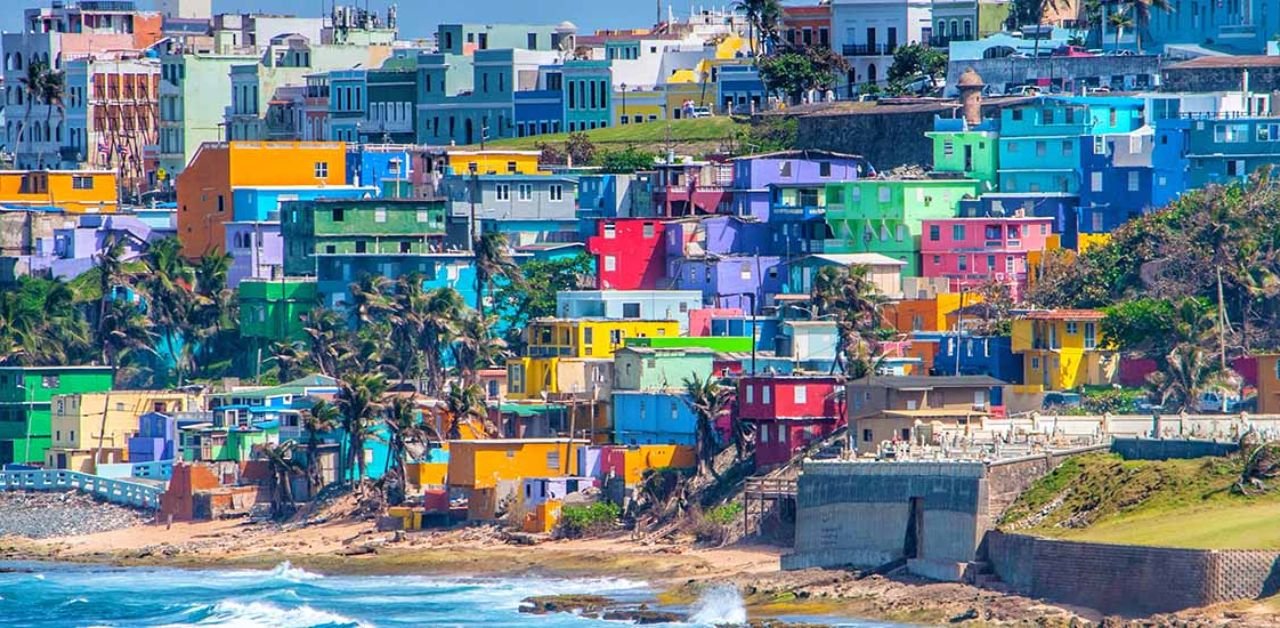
x=630, y=253
x=790, y=413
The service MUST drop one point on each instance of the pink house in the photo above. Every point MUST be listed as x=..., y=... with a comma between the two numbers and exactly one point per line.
x=972, y=251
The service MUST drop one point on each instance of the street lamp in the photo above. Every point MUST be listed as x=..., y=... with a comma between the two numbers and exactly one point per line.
x=624, y=103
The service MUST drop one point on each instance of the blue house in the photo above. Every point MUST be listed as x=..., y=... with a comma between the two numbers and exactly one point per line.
x=539, y=112
x=1119, y=174
x=766, y=329
x=1040, y=142
x=740, y=88
x=611, y=196
x=336, y=272
x=1227, y=150
x=387, y=169
x=809, y=170
x=653, y=418
x=157, y=438
x=978, y=355
x=348, y=104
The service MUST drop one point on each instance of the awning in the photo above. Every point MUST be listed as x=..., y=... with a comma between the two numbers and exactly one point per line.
x=529, y=409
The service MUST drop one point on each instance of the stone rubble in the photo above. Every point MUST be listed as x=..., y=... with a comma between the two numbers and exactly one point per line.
x=42, y=515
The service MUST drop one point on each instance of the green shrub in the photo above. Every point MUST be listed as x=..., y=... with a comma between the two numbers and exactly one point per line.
x=576, y=521
x=726, y=514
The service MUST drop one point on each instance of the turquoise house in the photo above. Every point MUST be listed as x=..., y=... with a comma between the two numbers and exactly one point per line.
x=1040, y=143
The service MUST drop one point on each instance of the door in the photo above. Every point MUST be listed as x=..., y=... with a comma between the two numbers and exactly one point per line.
x=913, y=545
x=968, y=158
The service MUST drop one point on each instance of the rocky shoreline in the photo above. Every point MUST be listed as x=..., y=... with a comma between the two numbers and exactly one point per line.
x=45, y=515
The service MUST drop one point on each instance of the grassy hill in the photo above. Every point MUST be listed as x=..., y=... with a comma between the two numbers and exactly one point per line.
x=650, y=135
x=1177, y=503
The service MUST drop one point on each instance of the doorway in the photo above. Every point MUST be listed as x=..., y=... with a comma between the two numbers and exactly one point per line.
x=913, y=545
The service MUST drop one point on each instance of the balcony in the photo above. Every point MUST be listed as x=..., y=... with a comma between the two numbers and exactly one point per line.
x=868, y=50
x=797, y=212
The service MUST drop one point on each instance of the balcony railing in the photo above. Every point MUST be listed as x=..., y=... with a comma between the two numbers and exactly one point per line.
x=868, y=50
x=796, y=211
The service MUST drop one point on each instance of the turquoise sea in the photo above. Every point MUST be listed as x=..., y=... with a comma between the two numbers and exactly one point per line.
x=38, y=595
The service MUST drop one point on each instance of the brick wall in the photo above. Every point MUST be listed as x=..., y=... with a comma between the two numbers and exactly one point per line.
x=1176, y=79
x=1129, y=579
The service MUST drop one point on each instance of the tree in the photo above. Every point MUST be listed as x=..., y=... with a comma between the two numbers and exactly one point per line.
x=1032, y=13
x=465, y=405
x=762, y=20
x=1189, y=371
x=40, y=325
x=792, y=72
x=322, y=418
x=535, y=297
x=360, y=400
x=1120, y=20
x=33, y=88
x=1141, y=11
x=404, y=430
x=474, y=346
x=625, y=161
x=167, y=287
x=492, y=261
x=915, y=59
x=52, y=91
x=708, y=401
x=848, y=295
x=578, y=148
x=284, y=466
x=327, y=340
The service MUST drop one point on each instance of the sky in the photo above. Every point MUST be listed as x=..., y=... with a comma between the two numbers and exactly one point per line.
x=419, y=17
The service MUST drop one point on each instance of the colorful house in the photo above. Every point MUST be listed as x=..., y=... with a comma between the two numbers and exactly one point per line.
x=672, y=305
x=790, y=413
x=1062, y=350
x=975, y=355
x=970, y=252
x=1118, y=173
x=491, y=470
x=72, y=191
x=965, y=150
x=883, y=271
x=460, y=161
x=26, y=395
x=650, y=368
x=94, y=428
x=553, y=343
x=931, y=314
x=271, y=310
x=653, y=417
x=908, y=409
x=739, y=281
x=1222, y=151
x=630, y=253
x=754, y=174
x=1041, y=141
x=885, y=215
x=718, y=344
x=157, y=437
x=206, y=187
x=691, y=188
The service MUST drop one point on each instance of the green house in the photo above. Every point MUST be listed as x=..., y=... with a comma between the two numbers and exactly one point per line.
x=373, y=227
x=644, y=368
x=272, y=310
x=719, y=344
x=209, y=444
x=884, y=215
x=26, y=394
x=972, y=154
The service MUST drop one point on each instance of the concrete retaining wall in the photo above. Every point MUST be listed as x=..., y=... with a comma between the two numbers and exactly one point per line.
x=1165, y=449
x=1129, y=579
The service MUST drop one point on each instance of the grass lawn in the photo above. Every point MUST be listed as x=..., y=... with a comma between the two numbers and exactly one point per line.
x=1176, y=503
x=650, y=134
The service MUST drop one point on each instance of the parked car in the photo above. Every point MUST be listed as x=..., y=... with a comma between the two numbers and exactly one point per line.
x=701, y=112
x=1023, y=90
x=1060, y=400
x=1072, y=51
x=1097, y=90
x=1120, y=52
x=1215, y=402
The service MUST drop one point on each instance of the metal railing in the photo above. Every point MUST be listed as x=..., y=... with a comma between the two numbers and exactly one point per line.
x=113, y=491
x=867, y=50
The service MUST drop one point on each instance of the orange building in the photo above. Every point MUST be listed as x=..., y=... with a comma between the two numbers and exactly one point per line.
x=75, y=191
x=926, y=314
x=205, y=186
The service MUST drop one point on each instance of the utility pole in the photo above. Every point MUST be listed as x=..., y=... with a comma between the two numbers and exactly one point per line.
x=1222, y=324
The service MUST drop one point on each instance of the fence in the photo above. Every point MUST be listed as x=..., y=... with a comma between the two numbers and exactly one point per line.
x=159, y=470
x=111, y=490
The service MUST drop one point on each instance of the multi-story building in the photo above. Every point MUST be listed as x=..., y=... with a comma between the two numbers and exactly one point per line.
x=466, y=39
x=908, y=409
x=359, y=227
x=967, y=20
x=453, y=110
x=112, y=117
x=562, y=355
x=189, y=116
x=1118, y=172
x=1041, y=142
x=691, y=188
x=1063, y=350
x=790, y=413
x=970, y=252
x=629, y=305
x=807, y=170
x=54, y=37
x=206, y=201
x=1226, y=149
x=885, y=215
x=630, y=253
x=94, y=428
x=806, y=25
x=271, y=310
x=867, y=33
x=26, y=395
x=392, y=109
x=528, y=208
x=72, y=191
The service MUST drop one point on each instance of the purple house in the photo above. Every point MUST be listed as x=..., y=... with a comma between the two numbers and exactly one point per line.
x=257, y=251
x=719, y=235
x=724, y=280
x=754, y=174
x=156, y=439
x=76, y=248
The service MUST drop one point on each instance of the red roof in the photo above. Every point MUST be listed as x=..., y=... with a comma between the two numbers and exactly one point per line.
x=806, y=11
x=1065, y=315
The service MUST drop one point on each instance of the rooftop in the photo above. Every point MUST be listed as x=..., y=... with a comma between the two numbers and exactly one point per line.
x=1228, y=62
x=1065, y=315
x=919, y=382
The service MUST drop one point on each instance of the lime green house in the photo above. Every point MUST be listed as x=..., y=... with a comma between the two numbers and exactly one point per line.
x=26, y=397
x=719, y=344
x=884, y=215
x=271, y=310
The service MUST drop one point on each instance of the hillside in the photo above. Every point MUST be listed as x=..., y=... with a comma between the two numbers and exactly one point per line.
x=1176, y=503
x=687, y=136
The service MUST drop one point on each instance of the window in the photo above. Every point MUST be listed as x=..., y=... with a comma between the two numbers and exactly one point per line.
x=339, y=214
x=1073, y=328
x=1231, y=133
x=1066, y=147
x=1041, y=149
x=556, y=193
x=503, y=192
x=751, y=390
x=764, y=394
x=801, y=394
x=948, y=148
x=648, y=230
x=885, y=194
x=764, y=434
x=1134, y=182
x=1268, y=132
x=81, y=183
x=1235, y=168
x=50, y=381
x=406, y=247
x=380, y=214
x=524, y=191
x=957, y=233
x=423, y=215
x=963, y=261
x=1090, y=335
x=1048, y=116
x=992, y=232
x=824, y=168
x=866, y=435
x=322, y=170
x=935, y=233
x=630, y=310
x=362, y=246
x=1016, y=115
x=610, y=263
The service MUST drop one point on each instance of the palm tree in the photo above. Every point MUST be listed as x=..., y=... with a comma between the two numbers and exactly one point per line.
x=41, y=325
x=360, y=399
x=1119, y=21
x=1189, y=371
x=291, y=360
x=33, y=88
x=170, y=299
x=405, y=430
x=708, y=400
x=284, y=466
x=493, y=260
x=327, y=340
x=465, y=404
x=849, y=296
x=1026, y=12
x=111, y=274
x=1141, y=11
x=474, y=347
x=52, y=91
x=322, y=418
x=441, y=310
x=373, y=299
x=762, y=19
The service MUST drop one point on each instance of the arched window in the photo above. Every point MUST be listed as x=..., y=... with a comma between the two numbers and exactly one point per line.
x=871, y=73
x=17, y=60
x=968, y=29
x=955, y=28
x=58, y=133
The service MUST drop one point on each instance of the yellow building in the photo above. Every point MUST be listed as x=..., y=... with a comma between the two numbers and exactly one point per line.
x=483, y=464
x=639, y=107
x=494, y=161
x=78, y=422
x=569, y=356
x=640, y=458
x=1062, y=350
x=75, y=191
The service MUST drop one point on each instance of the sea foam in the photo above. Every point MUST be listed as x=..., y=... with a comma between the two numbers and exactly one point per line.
x=719, y=605
x=232, y=614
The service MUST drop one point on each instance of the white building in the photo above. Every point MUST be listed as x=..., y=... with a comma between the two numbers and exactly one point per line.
x=867, y=32
x=186, y=9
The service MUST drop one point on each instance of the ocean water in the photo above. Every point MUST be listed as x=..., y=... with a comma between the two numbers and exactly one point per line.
x=38, y=595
